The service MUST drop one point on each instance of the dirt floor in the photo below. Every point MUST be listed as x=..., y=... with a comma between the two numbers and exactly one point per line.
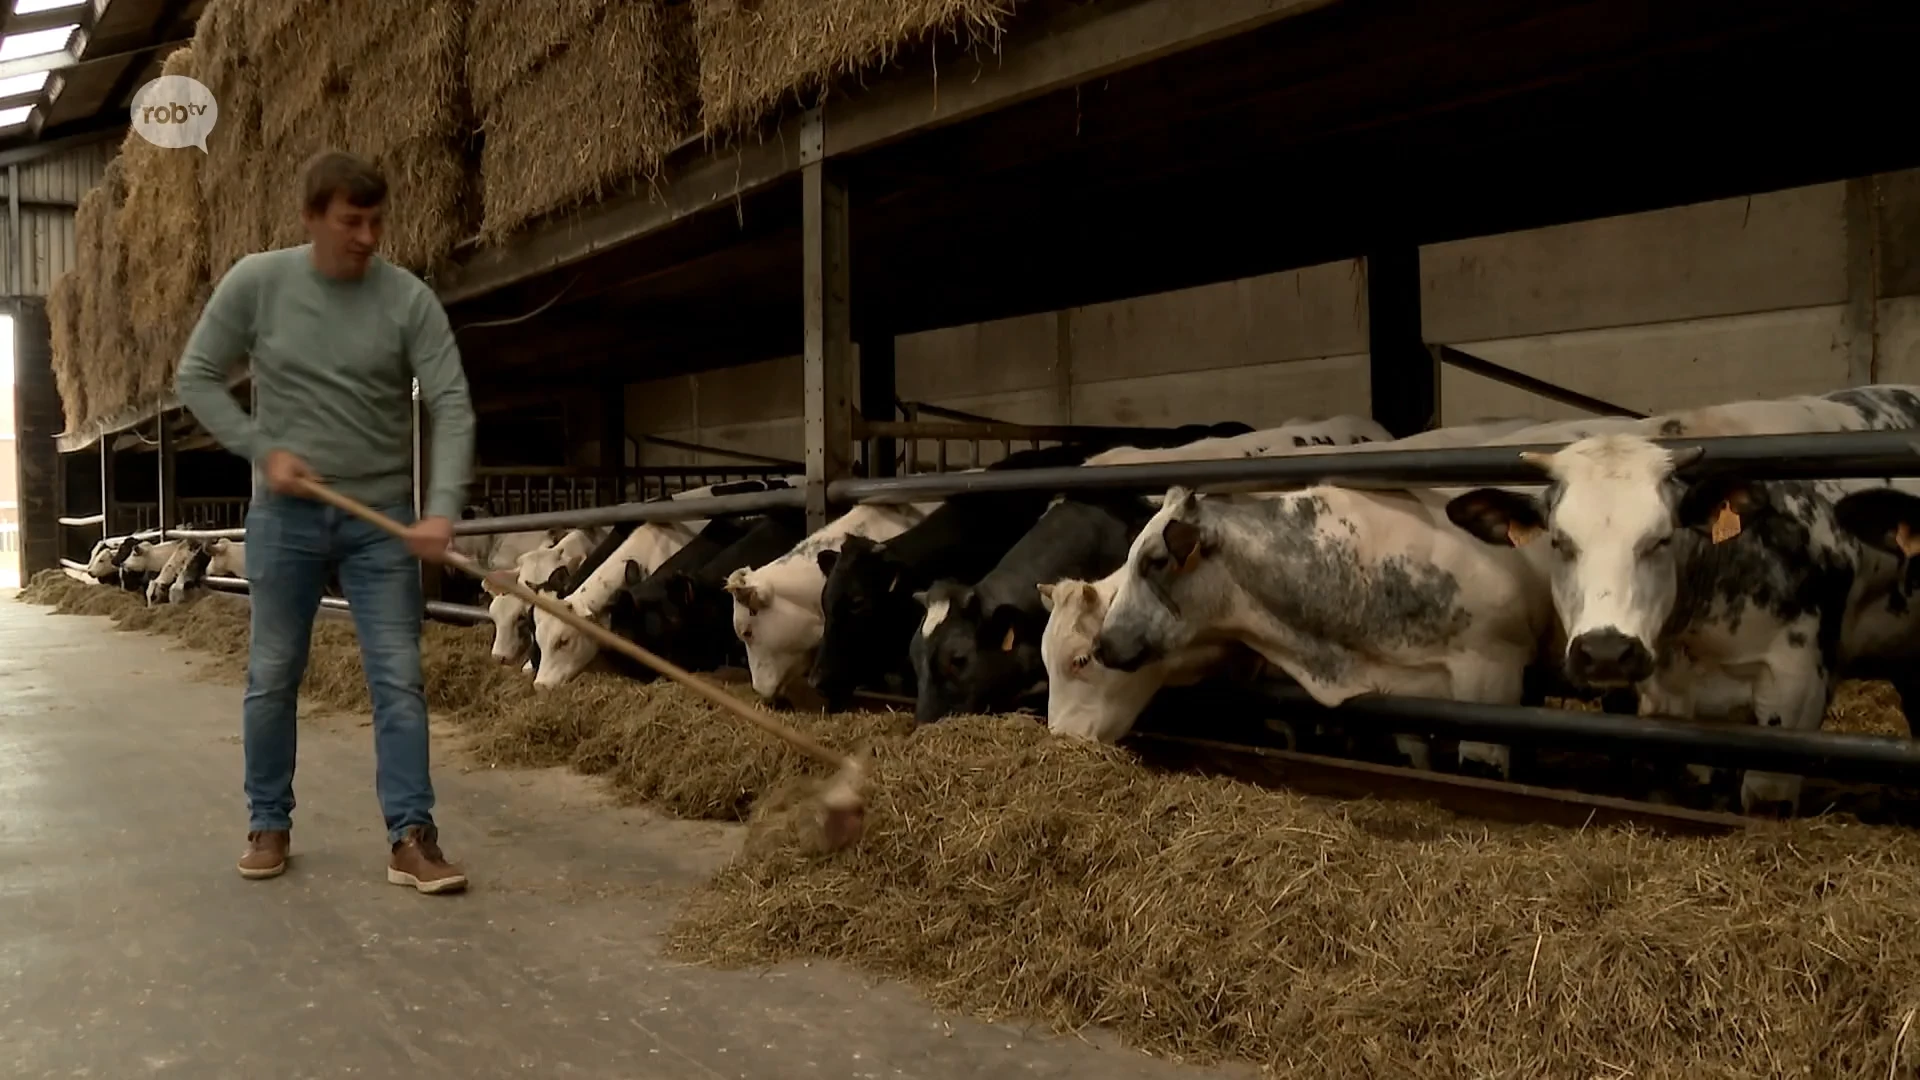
x=133, y=948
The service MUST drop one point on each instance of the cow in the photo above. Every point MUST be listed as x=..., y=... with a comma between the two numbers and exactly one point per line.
x=161, y=588
x=681, y=611
x=104, y=562
x=977, y=648
x=776, y=607
x=1089, y=700
x=563, y=651
x=559, y=651
x=545, y=567
x=1294, y=436
x=1707, y=592
x=145, y=561
x=867, y=605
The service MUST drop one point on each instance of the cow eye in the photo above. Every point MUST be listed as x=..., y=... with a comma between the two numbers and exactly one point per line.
x=1081, y=661
x=1155, y=562
x=1562, y=546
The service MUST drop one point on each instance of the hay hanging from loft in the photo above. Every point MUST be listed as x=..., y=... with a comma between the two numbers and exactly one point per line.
x=165, y=225
x=756, y=58
x=105, y=360
x=63, y=313
x=597, y=118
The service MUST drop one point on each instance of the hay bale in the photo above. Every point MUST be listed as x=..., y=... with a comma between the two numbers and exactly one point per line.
x=757, y=57
x=507, y=40
x=165, y=225
x=235, y=159
x=1012, y=874
x=106, y=351
x=63, y=313
x=596, y=117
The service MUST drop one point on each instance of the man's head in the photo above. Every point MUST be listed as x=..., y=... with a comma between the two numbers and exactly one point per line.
x=343, y=199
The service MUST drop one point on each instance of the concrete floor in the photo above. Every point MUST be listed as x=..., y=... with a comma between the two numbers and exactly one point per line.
x=129, y=946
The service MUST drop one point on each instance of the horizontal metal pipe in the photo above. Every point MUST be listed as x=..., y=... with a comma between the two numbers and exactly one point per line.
x=206, y=534
x=665, y=510
x=1872, y=758
x=461, y=613
x=83, y=522
x=71, y=565
x=1823, y=455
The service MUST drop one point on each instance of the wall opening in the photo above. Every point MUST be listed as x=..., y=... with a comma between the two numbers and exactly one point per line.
x=9, y=466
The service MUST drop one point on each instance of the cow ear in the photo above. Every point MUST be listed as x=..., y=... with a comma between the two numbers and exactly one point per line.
x=1046, y=595
x=1001, y=629
x=1500, y=518
x=556, y=582
x=920, y=597
x=631, y=573
x=1885, y=518
x=1723, y=505
x=967, y=601
x=827, y=559
x=1185, y=543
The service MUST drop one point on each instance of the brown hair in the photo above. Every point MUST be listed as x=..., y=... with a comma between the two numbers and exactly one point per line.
x=337, y=172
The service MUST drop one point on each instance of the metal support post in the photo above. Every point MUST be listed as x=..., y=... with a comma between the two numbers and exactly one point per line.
x=613, y=437
x=829, y=327
x=169, y=501
x=106, y=483
x=1404, y=376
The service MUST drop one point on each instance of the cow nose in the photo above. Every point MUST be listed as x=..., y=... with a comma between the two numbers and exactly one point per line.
x=1607, y=657
x=505, y=660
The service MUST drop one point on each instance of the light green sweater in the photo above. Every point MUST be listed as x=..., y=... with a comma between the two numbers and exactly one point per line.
x=333, y=364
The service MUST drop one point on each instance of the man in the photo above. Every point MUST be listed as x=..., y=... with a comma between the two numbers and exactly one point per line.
x=336, y=335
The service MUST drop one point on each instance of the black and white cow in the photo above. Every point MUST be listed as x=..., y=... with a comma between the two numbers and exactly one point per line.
x=867, y=603
x=682, y=611
x=977, y=648
x=1709, y=593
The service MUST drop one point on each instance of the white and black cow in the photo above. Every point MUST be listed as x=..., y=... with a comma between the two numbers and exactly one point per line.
x=560, y=652
x=681, y=612
x=1709, y=593
x=547, y=567
x=776, y=607
x=867, y=604
x=1086, y=699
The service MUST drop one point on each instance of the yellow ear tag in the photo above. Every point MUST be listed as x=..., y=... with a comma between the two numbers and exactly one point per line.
x=1726, y=524
x=1909, y=544
x=1521, y=534
x=1006, y=643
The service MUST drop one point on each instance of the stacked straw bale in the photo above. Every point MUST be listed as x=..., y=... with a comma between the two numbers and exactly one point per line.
x=63, y=312
x=105, y=359
x=165, y=225
x=756, y=57
x=379, y=78
x=577, y=100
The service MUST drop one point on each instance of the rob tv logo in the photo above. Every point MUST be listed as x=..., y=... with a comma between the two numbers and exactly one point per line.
x=175, y=111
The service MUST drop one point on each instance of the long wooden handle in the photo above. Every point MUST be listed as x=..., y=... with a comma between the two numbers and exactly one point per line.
x=511, y=583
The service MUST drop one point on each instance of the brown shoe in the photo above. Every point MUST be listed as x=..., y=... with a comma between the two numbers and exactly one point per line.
x=266, y=854
x=417, y=862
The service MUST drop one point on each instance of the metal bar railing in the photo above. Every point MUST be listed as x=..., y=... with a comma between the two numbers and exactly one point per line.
x=1824, y=455
x=670, y=510
x=83, y=522
x=439, y=609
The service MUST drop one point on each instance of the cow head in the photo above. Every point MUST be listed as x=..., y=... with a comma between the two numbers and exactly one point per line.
x=564, y=651
x=1615, y=527
x=970, y=656
x=779, y=633
x=868, y=611
x=1886, y=519
x=1086, y=698
x=676, y=616
x=1171, y=583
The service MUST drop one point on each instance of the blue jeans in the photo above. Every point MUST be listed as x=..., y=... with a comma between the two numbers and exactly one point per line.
x=292, y=544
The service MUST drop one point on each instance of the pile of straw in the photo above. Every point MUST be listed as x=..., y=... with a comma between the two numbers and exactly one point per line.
x=105, y=360
x=576, y=100
x=165, y=226
x=756, y=57
x=63, y=313
x=1010, y=874
x=380, y=78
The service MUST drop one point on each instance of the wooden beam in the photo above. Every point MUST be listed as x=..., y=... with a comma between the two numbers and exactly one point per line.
x=828, y=354
x=1084, y=44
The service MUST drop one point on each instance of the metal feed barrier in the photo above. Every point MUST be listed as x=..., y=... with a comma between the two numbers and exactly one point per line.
x=1873, y=454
